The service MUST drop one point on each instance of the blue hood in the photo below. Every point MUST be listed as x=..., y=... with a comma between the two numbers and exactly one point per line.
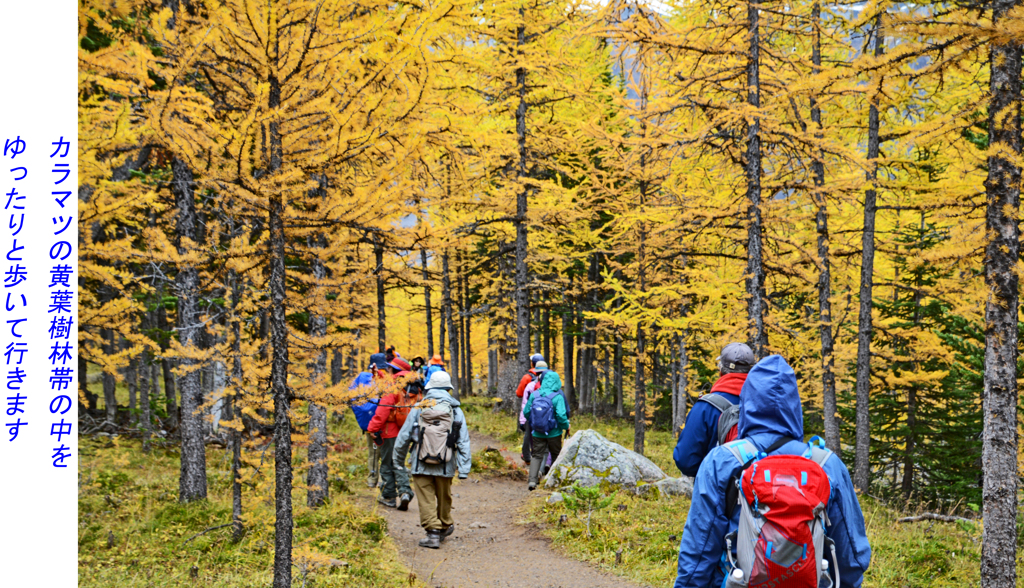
x=363, y=379
x=770, y=403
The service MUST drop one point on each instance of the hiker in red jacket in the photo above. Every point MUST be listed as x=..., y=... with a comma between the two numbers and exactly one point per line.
x=386, y=423
x=529, y=375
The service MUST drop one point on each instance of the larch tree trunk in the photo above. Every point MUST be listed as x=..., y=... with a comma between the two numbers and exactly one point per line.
x=279, y=354
x=619, y=408
x=316, y=478
x=680, y=385
x=378, y=255
x=755, y=275
x=522, y=293
x=234, y=400
x=640, y=416
x=109, y=379
x=131, y=377
x=145, y=418
x=426, y=304
x=467, y=334
x=862, y=465
x=828, y=378
x=547, y=336
x=567, y=351
x=192, y=482
x=448, y=305
x=1002, y=250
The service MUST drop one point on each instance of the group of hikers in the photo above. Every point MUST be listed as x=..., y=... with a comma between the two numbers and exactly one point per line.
x=768, y=508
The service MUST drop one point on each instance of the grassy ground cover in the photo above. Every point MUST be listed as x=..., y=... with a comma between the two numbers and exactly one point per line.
x=134, y=533
x=644, y=533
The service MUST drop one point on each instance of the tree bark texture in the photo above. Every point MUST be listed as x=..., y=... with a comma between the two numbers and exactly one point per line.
x=567, y=351
x=234, y=400
x=467, y=334
x=680, y=385
x=449, y=312
x=378, y=255
x=131, y=377
x=522, y=293
x=426, y=304
x=828, y=378
x=109, y=379
x=862, y=465
x=755, y=275
x=145, y=418
x=316, y=477
x=192, y=483
x=619, y=408
x=639, y=417
x=1002, y=250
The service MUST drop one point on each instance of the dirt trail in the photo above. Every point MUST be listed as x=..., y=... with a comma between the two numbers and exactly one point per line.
x=502, y=554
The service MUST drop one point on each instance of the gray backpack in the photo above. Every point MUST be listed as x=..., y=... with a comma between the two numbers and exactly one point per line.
x=729, y=421
x=438, y=434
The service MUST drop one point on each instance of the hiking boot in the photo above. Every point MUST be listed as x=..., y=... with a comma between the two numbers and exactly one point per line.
x=388, y=502
x=532, y=487
x=403, y=502
x=432, y=540
x=371, y=481
x=447, y=531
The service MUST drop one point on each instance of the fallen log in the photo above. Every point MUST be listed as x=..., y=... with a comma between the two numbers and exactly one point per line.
x=930, y=516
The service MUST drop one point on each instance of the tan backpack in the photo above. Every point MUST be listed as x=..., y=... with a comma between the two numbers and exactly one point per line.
x=438, y=432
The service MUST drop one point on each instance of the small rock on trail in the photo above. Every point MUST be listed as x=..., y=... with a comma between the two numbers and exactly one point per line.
x=488, y=548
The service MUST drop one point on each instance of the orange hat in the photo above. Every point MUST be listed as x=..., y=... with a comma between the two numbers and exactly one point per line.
x=436, y=360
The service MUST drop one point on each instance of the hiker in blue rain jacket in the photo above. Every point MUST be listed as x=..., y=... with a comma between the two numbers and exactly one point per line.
x=769, y=410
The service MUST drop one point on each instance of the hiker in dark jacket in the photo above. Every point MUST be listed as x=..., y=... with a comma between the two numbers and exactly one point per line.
x=551, y=440
x=433, y=482
x=700, y=433
x=769, y=413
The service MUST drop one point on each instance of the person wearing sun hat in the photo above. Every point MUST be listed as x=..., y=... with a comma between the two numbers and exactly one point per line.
x=432, y=475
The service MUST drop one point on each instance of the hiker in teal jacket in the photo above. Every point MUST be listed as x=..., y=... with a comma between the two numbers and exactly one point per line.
x=551, y=441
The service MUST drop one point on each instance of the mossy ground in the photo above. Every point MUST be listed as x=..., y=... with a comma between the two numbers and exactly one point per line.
x=134, y=497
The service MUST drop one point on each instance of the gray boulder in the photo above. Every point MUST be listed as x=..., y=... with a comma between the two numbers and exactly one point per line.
x=588, y=458
x=675, y=486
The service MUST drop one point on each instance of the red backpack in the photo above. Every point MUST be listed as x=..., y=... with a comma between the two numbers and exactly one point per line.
x=780, y=541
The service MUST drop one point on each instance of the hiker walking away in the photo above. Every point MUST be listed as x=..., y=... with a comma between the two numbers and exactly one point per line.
x=540, y=367
x=528, y=378
x=436, y=429
x=436, y=365
x=364, y=414
x=530, y=374
x=712, y=419
x=771, y=497
x=389, y=418
x=382, y=374
x=547, y=419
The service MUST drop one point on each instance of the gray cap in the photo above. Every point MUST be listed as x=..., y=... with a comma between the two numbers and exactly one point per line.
x=735, y=358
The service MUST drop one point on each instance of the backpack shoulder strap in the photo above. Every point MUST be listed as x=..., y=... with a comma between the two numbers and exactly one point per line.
x=716, y=401
x=743, y=450
x=745, y=453
x=820, y=455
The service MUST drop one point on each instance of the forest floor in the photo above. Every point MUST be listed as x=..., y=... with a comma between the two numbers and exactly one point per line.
x=133, y=533
x=492, y=545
